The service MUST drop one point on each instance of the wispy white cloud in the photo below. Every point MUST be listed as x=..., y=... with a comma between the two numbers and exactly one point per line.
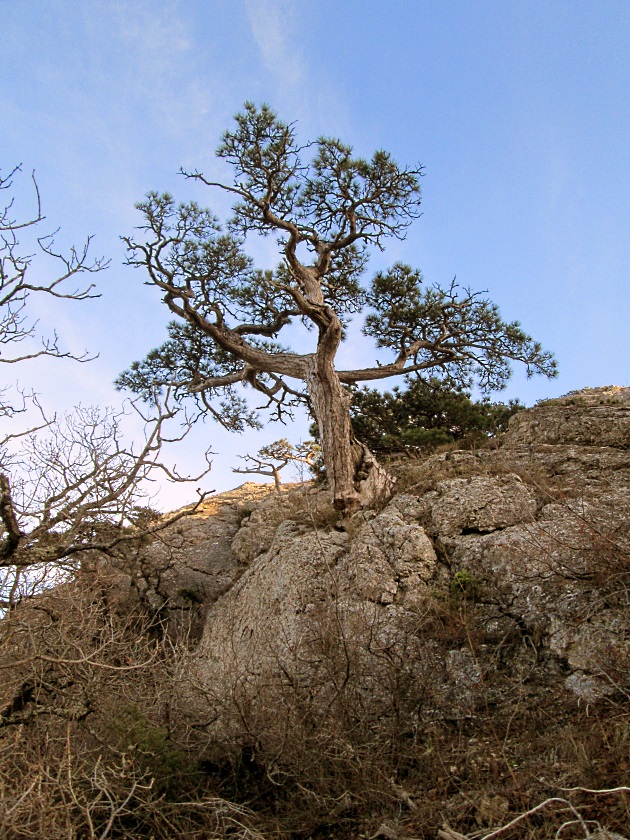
x=159, y=51
x=279, y=29
x=272, y=23
x=161, y=36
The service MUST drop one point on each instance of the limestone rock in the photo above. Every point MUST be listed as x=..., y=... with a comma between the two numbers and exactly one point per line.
x=480, y=504
x=543, y=572
x=390, y=557
x=525, y=540
x=304, y=504
x=314, y=598
x=592, y=417
x=182, y=570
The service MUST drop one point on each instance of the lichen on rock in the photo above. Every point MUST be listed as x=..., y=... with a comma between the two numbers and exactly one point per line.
x=535, y=551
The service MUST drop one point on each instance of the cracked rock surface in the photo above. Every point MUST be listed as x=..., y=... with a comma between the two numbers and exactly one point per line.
x=525, y=537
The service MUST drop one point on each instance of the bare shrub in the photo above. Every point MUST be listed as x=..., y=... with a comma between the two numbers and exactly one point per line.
x=86, y=732
x=453, y=711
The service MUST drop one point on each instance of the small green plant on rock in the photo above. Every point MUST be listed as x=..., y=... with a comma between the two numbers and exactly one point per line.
x=465, y=586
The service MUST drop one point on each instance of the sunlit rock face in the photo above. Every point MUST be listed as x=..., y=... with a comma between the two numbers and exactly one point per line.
x=180, y=572
x=592, y=417
x=528, y=541
x=479, y=504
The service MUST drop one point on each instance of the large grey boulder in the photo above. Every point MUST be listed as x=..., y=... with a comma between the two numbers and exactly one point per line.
x=479, y=504
x=391, y=557
x=592, y=417
x=527, y=539
x=264, y=618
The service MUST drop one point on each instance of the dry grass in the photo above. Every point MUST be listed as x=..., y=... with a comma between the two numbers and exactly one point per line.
x=362, y=734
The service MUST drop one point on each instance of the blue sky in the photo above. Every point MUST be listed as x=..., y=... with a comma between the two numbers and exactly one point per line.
x=518, y=110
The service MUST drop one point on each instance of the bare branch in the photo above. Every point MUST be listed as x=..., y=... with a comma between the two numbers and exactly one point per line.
x=16, y=285
x=75, y=486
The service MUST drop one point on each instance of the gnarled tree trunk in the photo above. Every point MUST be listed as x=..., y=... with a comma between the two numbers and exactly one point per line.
x=356, y=478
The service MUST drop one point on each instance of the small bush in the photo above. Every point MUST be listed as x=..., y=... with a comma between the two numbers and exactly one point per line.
x=465, y=585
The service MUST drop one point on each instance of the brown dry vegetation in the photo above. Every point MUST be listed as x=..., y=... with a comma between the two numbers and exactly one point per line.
x=105, y=733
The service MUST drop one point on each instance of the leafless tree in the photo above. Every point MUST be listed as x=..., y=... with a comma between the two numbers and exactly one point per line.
x=75, y=486
x=72, y=483
x=17, y=285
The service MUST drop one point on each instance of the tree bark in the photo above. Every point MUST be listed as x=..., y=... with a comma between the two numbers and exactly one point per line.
x=276, y=477
x=356, y=478
x=9, y=545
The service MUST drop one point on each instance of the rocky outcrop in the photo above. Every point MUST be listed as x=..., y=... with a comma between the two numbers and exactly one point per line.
x=447, y=665
x=388, y=562
x=592, y=417
x=479, y=504
x=528, y=537
x=182, y=570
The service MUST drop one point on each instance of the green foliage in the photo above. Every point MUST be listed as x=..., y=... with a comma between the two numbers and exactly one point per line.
x=149, y=746
x=326, y=209
x=190, y=356
x=425, y=415
x=464, y=585
x=321, y=196
x=453, y=329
